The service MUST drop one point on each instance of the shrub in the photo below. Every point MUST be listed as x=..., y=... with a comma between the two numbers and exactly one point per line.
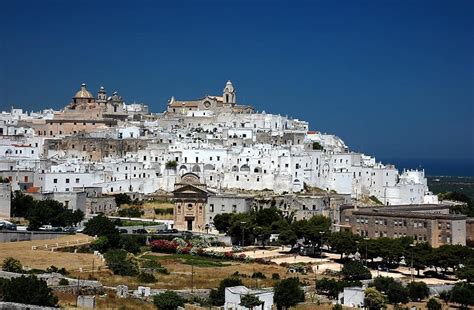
x=164, y=246
x=63, y=282
x=131, y=212
x=146, y=277
x=171, y=164
x=418, y=290
x=258, y=275
x=275, y=276
x=121, y=262
x=11, y=264
x=433, y=304
x=168, y=300
x=53, y=268
x=101, y=244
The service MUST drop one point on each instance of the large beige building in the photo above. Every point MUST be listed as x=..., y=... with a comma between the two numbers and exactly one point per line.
x=190, y=198
x=85, y=114
x=226, y=102
x=425, y=223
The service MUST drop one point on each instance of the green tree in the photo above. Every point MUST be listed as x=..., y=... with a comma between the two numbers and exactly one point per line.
x=354, y=270
x=131, y=243
x=288, y=293
x=121, y=199
x=374, y=300
x=312, y=229
x=222, y=222
x=317, y=146
x=262, y=233
x=168, y=300
x=171, y=164
x=121, y=262
x=21, y=203
x=217, y=297
x=343, y=242
x=418, y=290
x=38, y=292
x=102, y=226
x=463, y=294
x=287, y=236
x=445, y=296
x=397, y=293
x=11, y=264
x=433, y=304
x=242, y=222
x=51, y=212
x=382, y=283
x=250, y=301
x=265, y=217
x=101, y=244
x=466, y=272
x=332, y=287
x=421, y=255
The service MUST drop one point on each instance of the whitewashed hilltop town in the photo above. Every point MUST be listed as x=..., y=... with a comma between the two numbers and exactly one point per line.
x=98, y=146
x=211, y=204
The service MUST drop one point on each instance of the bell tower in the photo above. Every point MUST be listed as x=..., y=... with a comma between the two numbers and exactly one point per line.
x=229, y=95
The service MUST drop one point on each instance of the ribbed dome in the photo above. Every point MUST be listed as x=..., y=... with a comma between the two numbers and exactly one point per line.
x=83, y=93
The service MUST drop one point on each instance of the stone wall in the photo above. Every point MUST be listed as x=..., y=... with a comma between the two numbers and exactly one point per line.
x=14, y=236
x=16, y=306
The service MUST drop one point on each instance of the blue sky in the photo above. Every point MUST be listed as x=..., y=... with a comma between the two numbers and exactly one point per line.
x=394, y=79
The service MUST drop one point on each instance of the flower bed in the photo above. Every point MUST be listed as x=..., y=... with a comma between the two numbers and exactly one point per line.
x=179, y=246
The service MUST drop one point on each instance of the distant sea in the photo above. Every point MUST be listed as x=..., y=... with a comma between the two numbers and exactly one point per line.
x=435, y=167
x=444, y=175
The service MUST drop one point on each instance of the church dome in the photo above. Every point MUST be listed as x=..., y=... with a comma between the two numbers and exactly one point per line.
x=83, y=93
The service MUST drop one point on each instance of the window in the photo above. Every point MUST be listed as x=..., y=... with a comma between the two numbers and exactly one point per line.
x=77, y=180
x=211, y=207
x=67, y=181
x=234, y=208
x=55, y=181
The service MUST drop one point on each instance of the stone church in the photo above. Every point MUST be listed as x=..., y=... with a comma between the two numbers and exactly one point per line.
x=190, y=199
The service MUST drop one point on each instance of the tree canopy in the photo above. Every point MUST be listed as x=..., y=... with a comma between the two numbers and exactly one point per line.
x=168, y=300
x=355, y=270
x=288, y=293
x=38, y=292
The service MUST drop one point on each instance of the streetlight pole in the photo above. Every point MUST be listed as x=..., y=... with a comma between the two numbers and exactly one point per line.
x=366, y=243
x=411, y=268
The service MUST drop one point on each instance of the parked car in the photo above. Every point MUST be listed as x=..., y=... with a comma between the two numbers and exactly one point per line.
x=140, y=231
x=123, y=231
x=69, y=229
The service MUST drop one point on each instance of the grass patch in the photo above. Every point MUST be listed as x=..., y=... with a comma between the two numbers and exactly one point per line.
x=187, y=259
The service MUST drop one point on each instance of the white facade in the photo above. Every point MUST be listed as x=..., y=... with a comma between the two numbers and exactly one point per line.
x=233, y=297
x=227, y=149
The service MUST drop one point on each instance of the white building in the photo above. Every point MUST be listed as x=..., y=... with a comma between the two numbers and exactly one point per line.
x=233, y=296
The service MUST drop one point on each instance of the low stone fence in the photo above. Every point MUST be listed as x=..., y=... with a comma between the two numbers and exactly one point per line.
x=15, y=306
x=57, y=245
x=52, y=279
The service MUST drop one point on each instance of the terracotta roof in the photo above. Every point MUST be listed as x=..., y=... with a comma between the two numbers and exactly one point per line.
x=186, y=104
